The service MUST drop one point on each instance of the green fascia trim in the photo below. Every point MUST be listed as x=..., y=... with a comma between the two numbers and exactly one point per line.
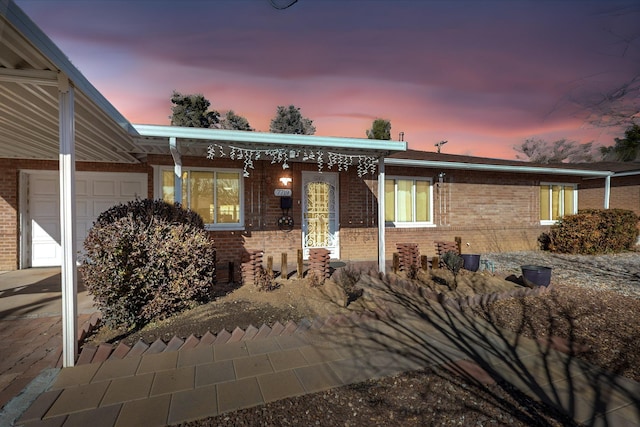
x=271, y=139
x=496, y=168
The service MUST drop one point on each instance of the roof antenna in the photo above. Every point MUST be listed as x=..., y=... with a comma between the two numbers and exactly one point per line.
x=440, y=144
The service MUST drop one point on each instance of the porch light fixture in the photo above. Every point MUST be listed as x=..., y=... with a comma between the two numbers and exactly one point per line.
x=285, y=180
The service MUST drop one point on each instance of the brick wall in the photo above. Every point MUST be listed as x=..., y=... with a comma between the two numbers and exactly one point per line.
x=625, y=194
x=491, y=212
x=9, y=242
x=362, y=244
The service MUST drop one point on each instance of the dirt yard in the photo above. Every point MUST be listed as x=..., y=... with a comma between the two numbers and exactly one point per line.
x=593, y=301
x=294, y=299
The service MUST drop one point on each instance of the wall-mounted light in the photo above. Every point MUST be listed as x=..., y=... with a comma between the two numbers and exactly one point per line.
x=285, y=180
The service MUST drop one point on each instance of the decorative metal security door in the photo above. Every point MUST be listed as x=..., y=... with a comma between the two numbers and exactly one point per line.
x=320, y=212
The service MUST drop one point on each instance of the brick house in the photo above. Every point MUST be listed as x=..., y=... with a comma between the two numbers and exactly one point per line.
x=329, y=197
x=66, y=154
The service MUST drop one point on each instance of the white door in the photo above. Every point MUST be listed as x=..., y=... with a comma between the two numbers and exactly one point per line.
x=320, y=212
x=95, y=193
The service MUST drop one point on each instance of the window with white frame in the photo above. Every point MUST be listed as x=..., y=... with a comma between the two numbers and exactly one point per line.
x=556, y=201
x=215, y=194
x=408, y=201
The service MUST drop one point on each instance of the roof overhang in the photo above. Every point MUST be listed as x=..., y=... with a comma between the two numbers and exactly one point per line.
x=497, y=168
x=626, y=173
x=195, y=141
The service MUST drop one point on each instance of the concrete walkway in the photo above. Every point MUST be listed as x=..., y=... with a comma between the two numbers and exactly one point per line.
x=408, y=333
x=31, y=326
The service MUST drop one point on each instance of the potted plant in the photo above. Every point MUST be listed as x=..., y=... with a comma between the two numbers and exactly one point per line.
x=471, y=262
x=536, y=275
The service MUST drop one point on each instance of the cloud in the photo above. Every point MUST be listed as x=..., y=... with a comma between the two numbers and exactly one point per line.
x=489, y=73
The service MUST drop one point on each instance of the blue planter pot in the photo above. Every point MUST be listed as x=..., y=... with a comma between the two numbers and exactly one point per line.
x=535, y=275
x=471, y=262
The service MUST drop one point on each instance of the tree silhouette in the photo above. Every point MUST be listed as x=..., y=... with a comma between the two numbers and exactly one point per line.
x=290, y=120
x=380, y=129
x=192, y=111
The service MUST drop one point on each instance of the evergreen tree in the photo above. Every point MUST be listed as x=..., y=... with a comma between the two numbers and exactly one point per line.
x=380, y=129
x=290, y=120
x=625, y=149
x=192, y=111
x=233, y=121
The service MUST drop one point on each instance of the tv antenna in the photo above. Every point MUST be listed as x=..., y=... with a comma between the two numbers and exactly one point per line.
x=440, y=144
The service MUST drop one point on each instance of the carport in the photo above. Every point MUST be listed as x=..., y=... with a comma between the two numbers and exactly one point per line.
x=48, y=111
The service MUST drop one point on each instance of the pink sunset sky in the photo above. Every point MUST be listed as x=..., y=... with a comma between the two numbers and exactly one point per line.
x=484, y=75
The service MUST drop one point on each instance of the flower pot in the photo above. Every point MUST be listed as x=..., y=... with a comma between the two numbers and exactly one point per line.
x=535, y=275
x=471, y=262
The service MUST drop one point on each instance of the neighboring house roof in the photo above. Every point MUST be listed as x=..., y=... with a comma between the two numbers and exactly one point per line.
x=413, y=158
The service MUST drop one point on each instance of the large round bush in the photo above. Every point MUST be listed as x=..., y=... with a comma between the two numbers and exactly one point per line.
x=146, y=260
x=594, y=231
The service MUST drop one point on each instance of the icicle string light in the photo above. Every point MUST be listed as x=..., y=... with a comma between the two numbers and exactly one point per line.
x=365, y=164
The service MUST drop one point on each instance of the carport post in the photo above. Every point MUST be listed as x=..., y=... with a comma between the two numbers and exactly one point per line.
x=68, y=221
x=381, y=223
x=607, y=191
x=177, y=169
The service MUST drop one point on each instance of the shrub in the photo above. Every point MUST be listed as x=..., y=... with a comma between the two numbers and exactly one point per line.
x=595, y=231
x=146, y=210
x=454, y=263
x=347, y=279
x=314, y=278
x=265, y=280
x=146, y=260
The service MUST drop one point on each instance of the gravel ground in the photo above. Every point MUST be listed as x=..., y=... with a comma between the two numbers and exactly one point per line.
x=619, y=272
x=593, y=302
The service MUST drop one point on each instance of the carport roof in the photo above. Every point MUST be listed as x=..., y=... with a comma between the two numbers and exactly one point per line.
x=31, y=66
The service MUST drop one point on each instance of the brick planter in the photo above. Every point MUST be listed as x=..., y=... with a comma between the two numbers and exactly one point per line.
x=319, y=262
x=251, y=264
x=409, y=255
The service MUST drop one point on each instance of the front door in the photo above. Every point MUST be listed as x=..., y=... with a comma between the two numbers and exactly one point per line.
x=320, y=212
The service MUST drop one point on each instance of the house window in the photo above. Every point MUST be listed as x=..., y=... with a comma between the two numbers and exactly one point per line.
x=556, y=201
x=214, y=194
x=408, y=201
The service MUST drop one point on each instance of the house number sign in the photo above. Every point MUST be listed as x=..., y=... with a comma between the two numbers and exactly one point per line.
x=282, y=192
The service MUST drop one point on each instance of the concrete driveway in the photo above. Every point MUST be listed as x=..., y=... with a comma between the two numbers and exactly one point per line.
x=36, y=292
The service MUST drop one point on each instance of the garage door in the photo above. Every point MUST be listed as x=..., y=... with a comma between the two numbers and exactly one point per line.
x=95, y=193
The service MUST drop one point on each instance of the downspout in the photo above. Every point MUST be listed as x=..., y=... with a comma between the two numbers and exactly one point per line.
x=607, y=191
x=381, y=220
x=68, y=270
x=177, y=170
